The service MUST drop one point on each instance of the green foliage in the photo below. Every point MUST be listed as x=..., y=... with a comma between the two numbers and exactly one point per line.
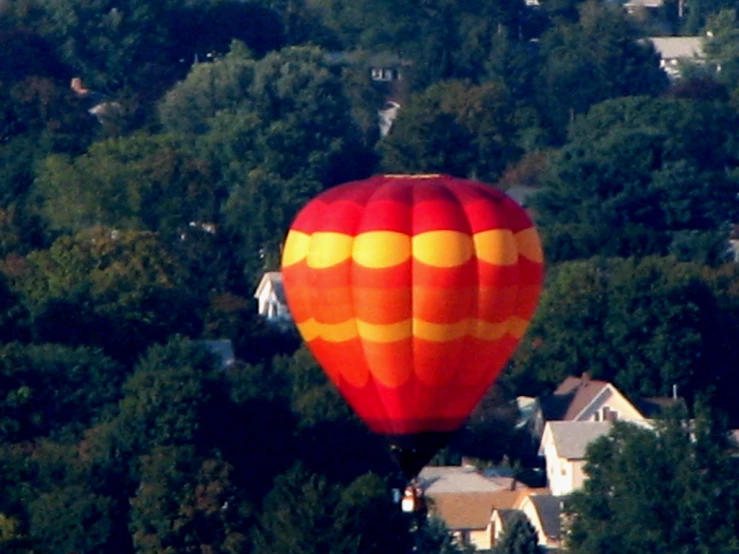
x=121, y=290
x=140, y=182
x=208, y=89
x=50, y=388
x=721, y=48
x=453, y=127
x=519, y=537
x=644, y=324
x=602, y=45
x=167, y=399
x=323, y=518
x=71, y=519
x=645, y=167
x=657, y=490
x=186, y=504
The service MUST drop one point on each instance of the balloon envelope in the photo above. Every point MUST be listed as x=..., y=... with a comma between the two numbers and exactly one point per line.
x=412, y=292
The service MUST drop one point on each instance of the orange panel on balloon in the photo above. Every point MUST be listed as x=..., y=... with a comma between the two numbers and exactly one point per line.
x=380, y=305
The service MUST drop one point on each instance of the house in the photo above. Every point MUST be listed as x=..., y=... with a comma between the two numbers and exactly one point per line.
x=635, y=6
x=465, y=499
x=576, y=399
x=97, y=103
x=386, y=116
x=544, y=511
x=270, y=295
x=563, y=447
x=676, y=51
x=499, y=522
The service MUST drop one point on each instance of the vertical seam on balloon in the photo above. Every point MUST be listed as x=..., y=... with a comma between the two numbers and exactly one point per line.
x=371, y=380
x=411, y=267
x=471, y=321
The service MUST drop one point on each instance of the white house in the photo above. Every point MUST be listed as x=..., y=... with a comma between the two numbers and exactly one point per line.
x=675, y=51
x=563, y=447
x=386, y=116
x=270, y=295
x=576, y=399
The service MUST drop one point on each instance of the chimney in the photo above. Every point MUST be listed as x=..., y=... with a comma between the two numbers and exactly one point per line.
x=585, y=377
x=674, y=392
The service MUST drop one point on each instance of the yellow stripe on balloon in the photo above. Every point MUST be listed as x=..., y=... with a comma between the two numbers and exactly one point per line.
x=311, y=329
x=490, y=331
x=529, y=245
x=381, y=249
x=440, y=332
x=296, y=248
x=496, y=246
x=415, y=327
x=443, y=248
x=517, y=326
x=384, y=333
x=329, y=249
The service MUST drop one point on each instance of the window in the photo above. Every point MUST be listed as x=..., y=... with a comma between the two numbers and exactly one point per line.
x=609, y=414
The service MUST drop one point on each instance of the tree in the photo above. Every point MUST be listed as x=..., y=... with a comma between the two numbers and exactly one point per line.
x=646, y=324
x=602, y=45
x=207, y=89
x=168, y=399
x=630, y=165
x=657, y=490
x=187, y=504
x=721, y=50
x=110, y=44
x=453, y=127
x=70, y=519
x=52, y=389
x=140, y=182
x=306, y=513
x=120, y=290
x=519, y=537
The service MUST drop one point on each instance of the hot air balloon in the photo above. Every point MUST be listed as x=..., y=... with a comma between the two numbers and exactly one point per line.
x=412, y=292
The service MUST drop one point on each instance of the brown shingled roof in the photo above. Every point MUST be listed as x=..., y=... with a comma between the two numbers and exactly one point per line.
x=473, y=510
x=469, y=510
x=570, y=398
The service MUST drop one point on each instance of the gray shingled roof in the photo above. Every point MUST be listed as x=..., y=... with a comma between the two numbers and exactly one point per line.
x=571, y=438
x=570, y=398
x=549, y=507
x=456, y=479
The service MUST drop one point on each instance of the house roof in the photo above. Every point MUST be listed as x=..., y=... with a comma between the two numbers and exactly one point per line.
x=505, y=516
x=548, y=508
x=455, y=479
x=570, y=398
x=671, y=48
x=470, y=510
x=571, y=438
x=632, y=4
x=521, y=193
x=274, y=279
x=464, y=498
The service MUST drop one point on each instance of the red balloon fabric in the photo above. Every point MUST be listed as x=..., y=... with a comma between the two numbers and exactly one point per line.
x=412, y=292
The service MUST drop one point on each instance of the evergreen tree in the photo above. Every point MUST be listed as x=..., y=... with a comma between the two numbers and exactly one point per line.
x=519, y=537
